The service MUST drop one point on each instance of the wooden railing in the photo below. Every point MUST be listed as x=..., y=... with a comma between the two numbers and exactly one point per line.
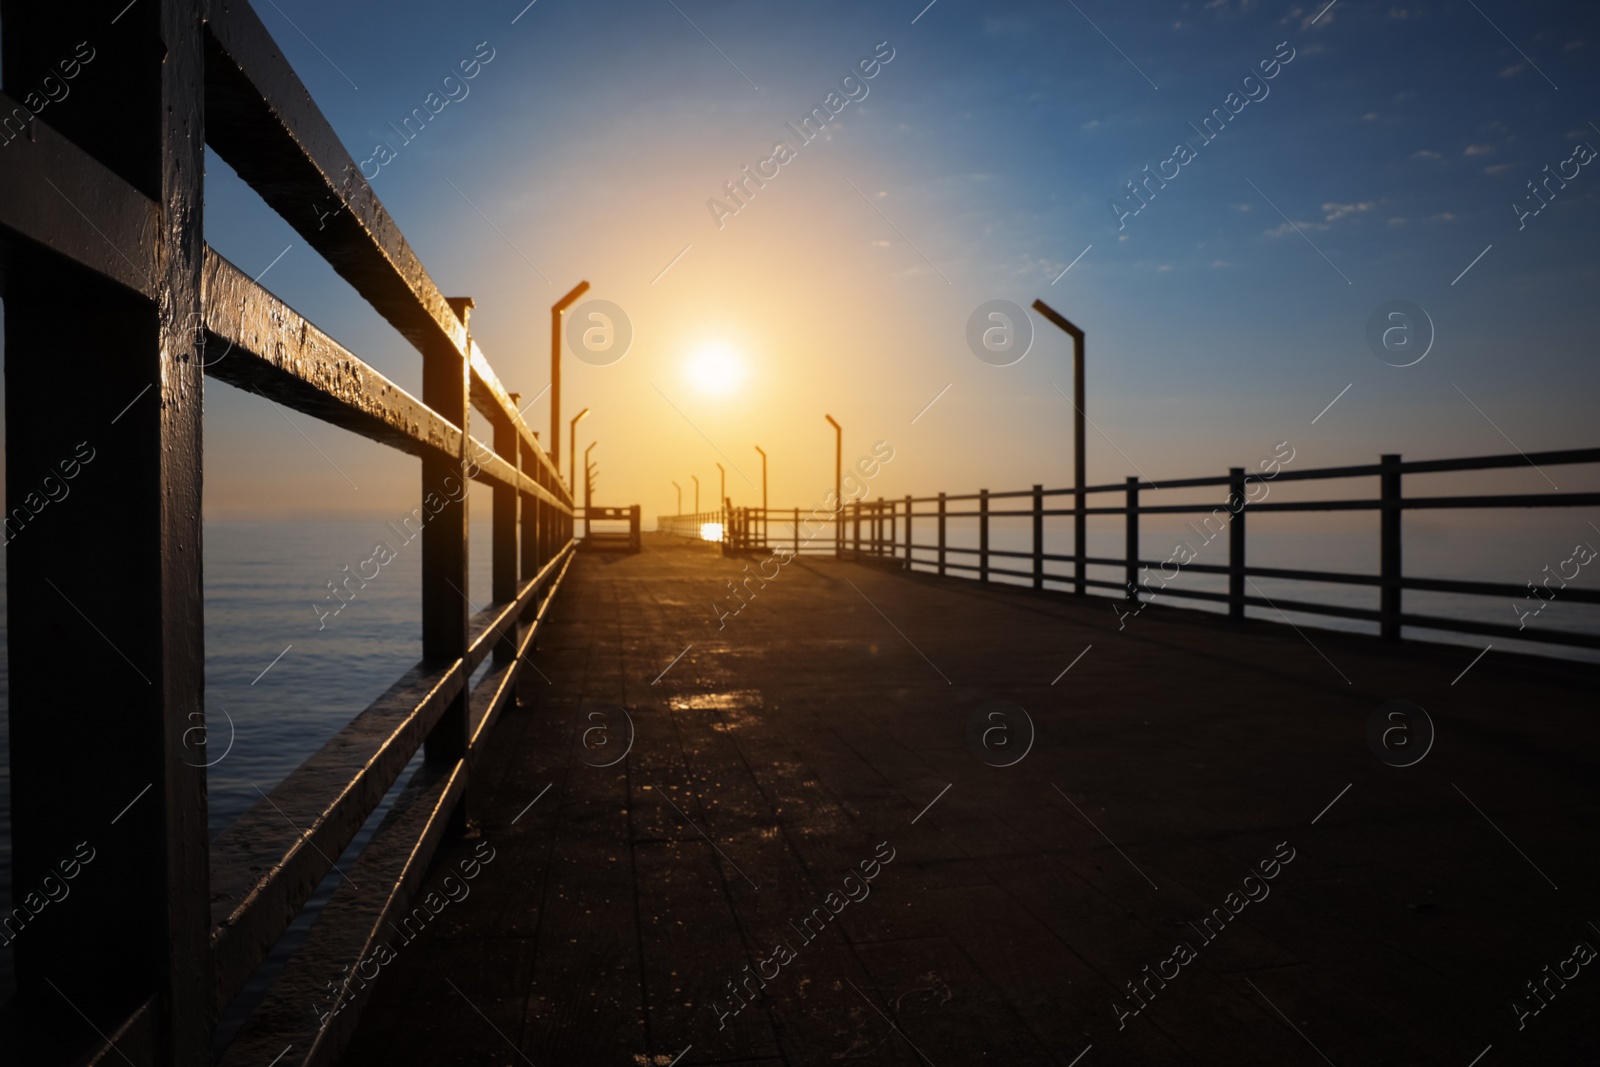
x=115, y=309
x=610, y=540
x=887, y=530
x=691, y=526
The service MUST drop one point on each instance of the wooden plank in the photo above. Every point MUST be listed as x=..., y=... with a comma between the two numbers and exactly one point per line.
x=263, y=345
x=56, y=196
x=310, y=1013
x=269, y=862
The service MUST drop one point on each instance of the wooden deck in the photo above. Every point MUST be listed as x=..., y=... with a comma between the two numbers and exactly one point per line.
x=828, y=724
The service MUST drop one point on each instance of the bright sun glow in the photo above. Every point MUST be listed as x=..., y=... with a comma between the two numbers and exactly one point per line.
x=711, y=531
x=715, y=370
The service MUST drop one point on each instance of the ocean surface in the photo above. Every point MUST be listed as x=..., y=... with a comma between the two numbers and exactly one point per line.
x=282, y=674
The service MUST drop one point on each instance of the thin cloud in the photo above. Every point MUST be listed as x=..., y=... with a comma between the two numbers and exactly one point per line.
x=1333, y=212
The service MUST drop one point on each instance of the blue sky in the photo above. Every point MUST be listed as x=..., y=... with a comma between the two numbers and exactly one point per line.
x=981, y=163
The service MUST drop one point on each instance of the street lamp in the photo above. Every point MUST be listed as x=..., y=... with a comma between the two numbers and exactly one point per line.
x=763, y=494
x=1079, y=519
x=696, y=478
x=679, y=488
x=588, y=490
x=555, y=371
x=838, y=486
x=572, y=447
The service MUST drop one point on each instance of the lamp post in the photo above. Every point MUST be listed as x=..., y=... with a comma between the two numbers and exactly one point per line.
x=588, y=487
x=838, y=486
x=679, y=488
x=1079, y=519
x=722, y=501
x=572, y=447
x=696, y=478
x=555, y=371
x=763, y=494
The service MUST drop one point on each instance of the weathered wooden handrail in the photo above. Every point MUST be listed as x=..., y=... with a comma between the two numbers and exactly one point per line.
x=101, y=235
x=882, y=530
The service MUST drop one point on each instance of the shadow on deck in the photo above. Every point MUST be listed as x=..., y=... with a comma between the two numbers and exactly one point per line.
x=830, y=726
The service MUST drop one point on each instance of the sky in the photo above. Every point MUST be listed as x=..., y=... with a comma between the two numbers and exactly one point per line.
x=983, y=160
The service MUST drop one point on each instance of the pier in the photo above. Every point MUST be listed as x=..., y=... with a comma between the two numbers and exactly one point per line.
x=766, y=785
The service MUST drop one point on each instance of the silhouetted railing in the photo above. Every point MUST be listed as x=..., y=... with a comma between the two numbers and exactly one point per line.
x=886, y=531
x=111, y=293
x=693, y=526
x=610, y=540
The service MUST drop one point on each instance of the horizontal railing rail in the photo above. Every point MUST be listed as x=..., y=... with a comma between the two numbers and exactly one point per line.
x=885, y=531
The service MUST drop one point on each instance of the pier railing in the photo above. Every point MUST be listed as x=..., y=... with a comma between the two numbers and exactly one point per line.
x=692, y=525
x=610, y=539
x=913, y=532
x=115, y=310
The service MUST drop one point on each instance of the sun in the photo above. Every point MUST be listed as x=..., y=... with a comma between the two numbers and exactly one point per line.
x=715, y=370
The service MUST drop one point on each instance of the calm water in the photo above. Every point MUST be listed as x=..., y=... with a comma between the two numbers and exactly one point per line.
x=285, y=680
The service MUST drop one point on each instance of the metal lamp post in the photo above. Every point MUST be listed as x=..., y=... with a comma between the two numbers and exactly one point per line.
x=722, y=501
x=555, y=371
x=763, y=494
x=1080, y=521
x=696, y=478
x=838, y=486
x=588, y=487
x=679, y=488
x=572, y=447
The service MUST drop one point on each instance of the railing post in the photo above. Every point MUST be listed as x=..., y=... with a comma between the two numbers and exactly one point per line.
x=1080, y=534
x=941, y=535
x=1131, y=543
x=1236, y=561
x=983, y=535
x=530, y=524
x=445, y=632
x=908, y=531
x=1389, y=548
x=635, y=539
x=105, y=592
x=504, y=548
x=857, y=507
x=1038, y=537
x=797, y=531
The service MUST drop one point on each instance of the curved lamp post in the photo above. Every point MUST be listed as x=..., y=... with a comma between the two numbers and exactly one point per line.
x=572, y=447
x=838, y=486
x=722, y=501
x=1079, y=522
x=555, y=371
x=763, y=493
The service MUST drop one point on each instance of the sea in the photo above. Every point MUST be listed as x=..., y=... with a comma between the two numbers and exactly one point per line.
x=281, y=674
